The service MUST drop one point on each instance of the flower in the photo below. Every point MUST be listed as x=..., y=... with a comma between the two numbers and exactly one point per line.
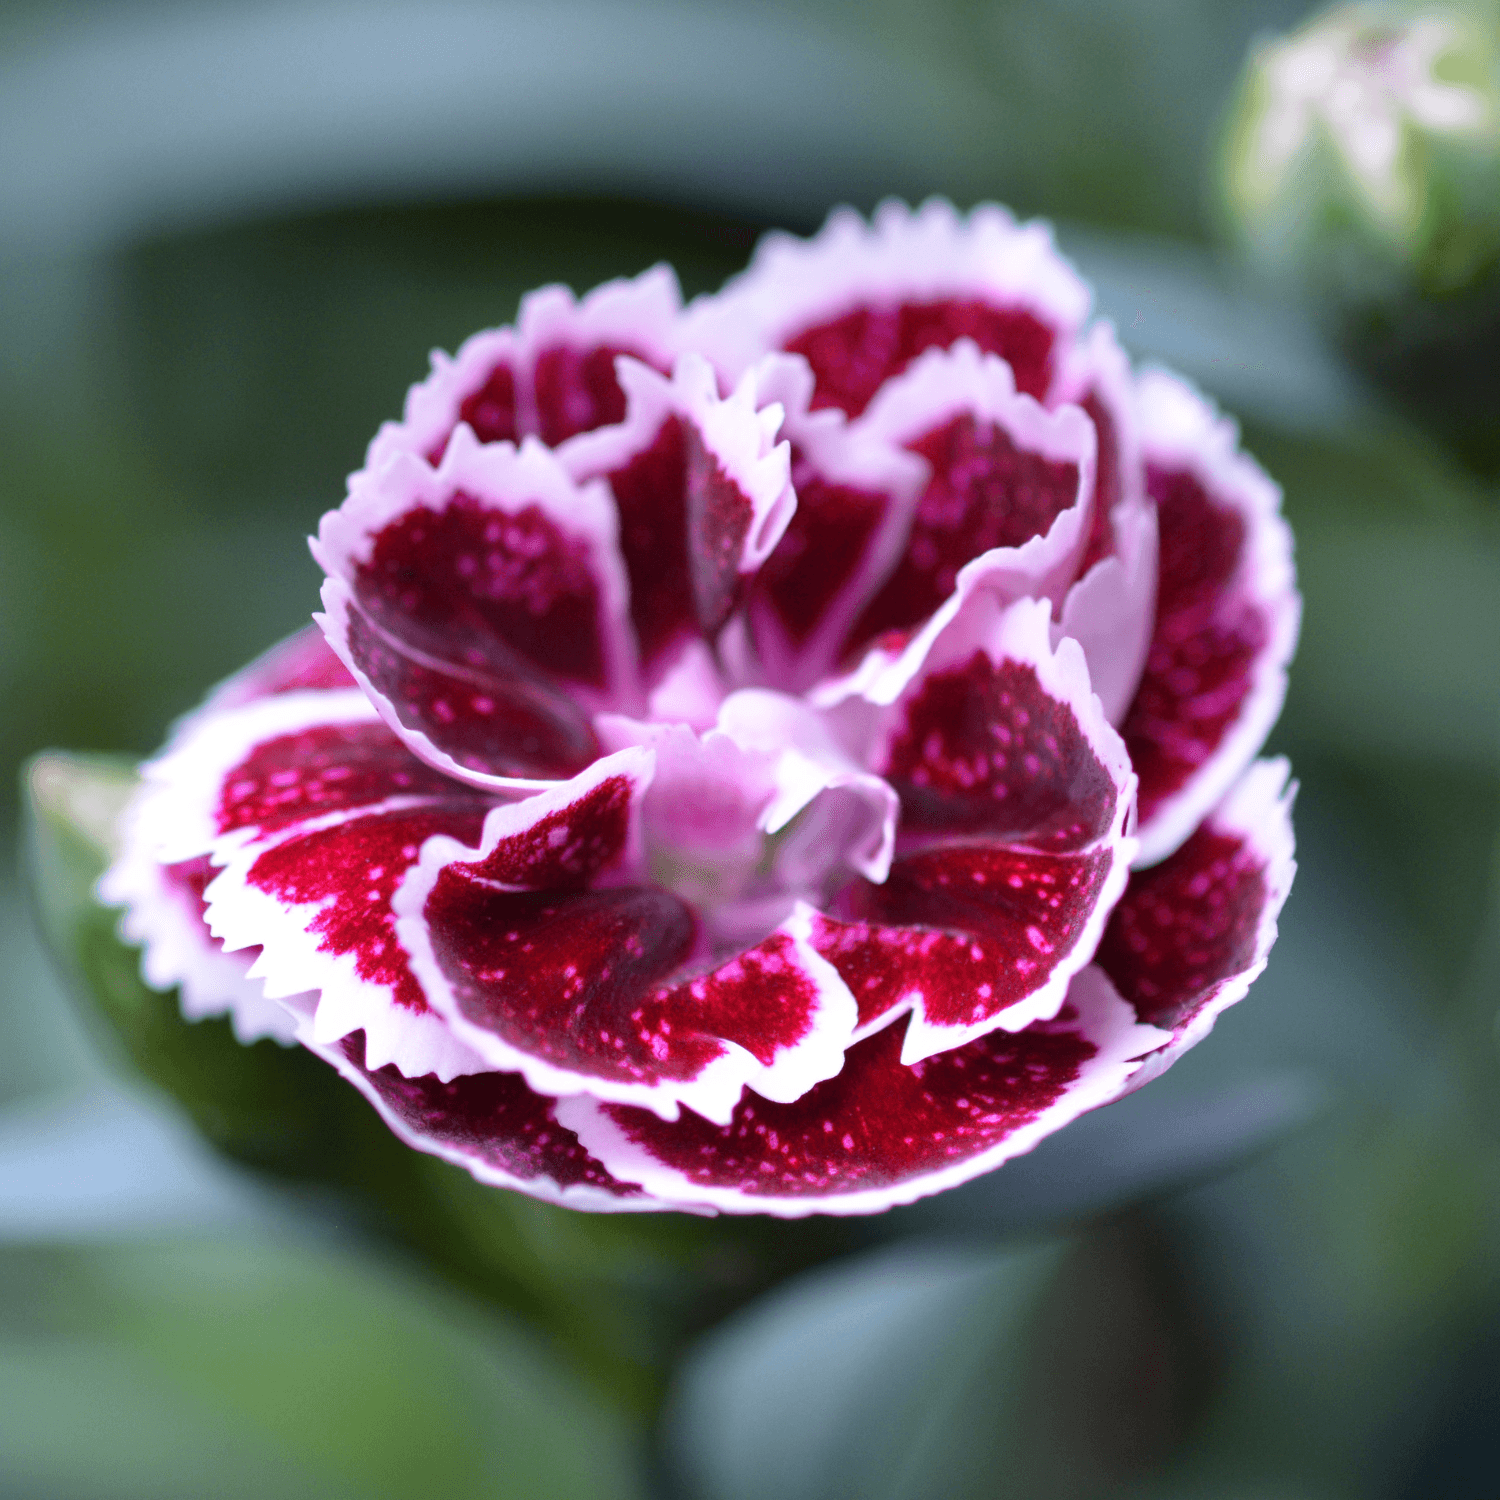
x=736, y=729
x=1370, y=134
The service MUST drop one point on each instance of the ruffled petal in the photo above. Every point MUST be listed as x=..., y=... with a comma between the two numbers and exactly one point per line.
x=855, y=494
x=1009, y=490
x=881, y=1133
x=483, y=608
x=1016, y=799
x=1191, y=934
x=571, y=973
x=165, y=916
x=1227, y=613
x=861, y=301
x=704, y=494
x=551, y=377
x=314, y=809
x=493, y=1126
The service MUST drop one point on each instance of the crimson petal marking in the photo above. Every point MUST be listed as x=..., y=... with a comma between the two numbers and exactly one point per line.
x=563, y=971
x=1227, y=615
x=703, y=492
x=994, y=901
x=551, y=377
x=229, y=776
x=881, y=1133
x=164, y=910
x=302, y=662
x=860, y=301
x=1011, y=483
x=996, y=732
x=317, y=902
x=855, y=493
x=1191, y=934
x=491, y=1125
x=482, y=607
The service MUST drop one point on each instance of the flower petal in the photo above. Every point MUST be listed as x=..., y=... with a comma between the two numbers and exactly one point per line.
x=1016, y=798
x=482, y=606
x=165, y=913
x=1227, y=613
x=704, y=493
x=1191, y=934
x=552, y=377
x=165, y=916
x=314, y=808
x=493, y=1126
x=1010, y=482
x=855, y=494
x=1111, y=610
x=881, y=1133
x=568, y=973
x=860, y=302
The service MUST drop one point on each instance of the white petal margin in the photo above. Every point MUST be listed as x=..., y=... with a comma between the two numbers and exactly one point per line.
x=180, y=791
x=582, y=1196
x=293, y=958
x=1258, y=810
x=1103, y=1018
x=944, y=384
x=714, y=1091
x=1098, y=366
x=902, y=255
x=1111, y=610
x=640, y=313
x=509, y=480
x=292, y=961
x=178, y=952
x=1181, y=430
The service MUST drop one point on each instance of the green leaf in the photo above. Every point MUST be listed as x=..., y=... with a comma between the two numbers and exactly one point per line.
x=248, y=1370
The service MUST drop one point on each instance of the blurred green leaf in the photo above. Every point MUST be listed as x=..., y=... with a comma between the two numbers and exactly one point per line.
x=185, y=1370
x=926, y=1372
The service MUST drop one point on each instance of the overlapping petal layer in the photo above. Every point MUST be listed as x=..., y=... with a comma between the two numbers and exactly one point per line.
x=720, y=786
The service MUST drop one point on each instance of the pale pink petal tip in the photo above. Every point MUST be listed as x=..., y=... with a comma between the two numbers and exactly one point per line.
x=551, y=377
x=938, y=274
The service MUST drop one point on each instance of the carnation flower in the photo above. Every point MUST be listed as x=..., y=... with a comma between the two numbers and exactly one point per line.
x=787, y=754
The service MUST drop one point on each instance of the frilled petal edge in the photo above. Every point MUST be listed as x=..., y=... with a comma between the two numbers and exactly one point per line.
x=1191, y=934
x=881, y=1133
x=1227, y=614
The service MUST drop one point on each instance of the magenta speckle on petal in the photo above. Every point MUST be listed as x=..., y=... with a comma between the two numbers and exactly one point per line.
x=985, y=492
x=876, y=1123
x=1185, y=926
x=982, y=749
x=1209, y=634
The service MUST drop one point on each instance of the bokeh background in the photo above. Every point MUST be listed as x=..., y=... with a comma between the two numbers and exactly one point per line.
x=229, y=234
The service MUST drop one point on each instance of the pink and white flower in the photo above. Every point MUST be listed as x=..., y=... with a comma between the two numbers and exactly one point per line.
x=787, y=755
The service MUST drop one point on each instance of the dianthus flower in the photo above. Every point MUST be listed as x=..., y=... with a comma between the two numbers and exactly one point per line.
x=786, y=754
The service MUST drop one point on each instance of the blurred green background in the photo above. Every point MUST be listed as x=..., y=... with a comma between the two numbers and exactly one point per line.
x=229, y=235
